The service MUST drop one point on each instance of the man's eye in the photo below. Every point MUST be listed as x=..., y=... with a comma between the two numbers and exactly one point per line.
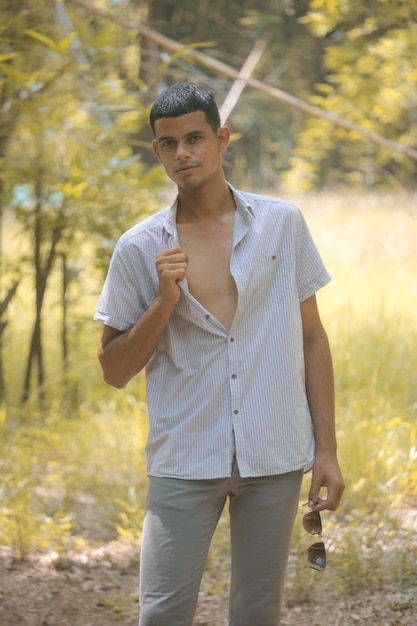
x=194, y=138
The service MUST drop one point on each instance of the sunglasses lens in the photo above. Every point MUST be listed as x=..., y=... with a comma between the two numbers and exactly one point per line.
x=312, y=523
x=316, y=555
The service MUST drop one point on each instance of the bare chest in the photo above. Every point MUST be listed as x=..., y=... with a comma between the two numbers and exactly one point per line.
x=208, y=274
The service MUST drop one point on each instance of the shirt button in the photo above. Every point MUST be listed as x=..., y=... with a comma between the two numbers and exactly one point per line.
x=232, y=338
x=234, y=376
x=207, y=317
x=235, y=411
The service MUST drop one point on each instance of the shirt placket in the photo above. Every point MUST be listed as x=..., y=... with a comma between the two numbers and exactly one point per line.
x=236, y=346
x=235, y=384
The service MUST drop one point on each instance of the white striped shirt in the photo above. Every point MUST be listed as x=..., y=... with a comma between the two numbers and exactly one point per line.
x=213, y=393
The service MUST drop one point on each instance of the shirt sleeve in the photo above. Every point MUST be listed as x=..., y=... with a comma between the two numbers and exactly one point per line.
x=127, y=289
x=312, y=274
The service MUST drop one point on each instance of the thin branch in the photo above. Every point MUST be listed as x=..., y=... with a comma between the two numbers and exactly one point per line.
x=244, y=75
x=5, y=303
x=226, y=70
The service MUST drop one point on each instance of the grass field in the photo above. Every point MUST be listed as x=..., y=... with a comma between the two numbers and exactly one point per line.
x=73, y=471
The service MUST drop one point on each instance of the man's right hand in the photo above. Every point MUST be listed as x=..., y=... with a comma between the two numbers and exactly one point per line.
x=171, y=266
x=123, y=354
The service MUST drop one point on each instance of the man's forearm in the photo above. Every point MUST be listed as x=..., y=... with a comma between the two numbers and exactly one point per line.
x=127, y=353
x=320, y=391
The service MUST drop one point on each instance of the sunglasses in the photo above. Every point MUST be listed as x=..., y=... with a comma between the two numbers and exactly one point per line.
x=316, y=554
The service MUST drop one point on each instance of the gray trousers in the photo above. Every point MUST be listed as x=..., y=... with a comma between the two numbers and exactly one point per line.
x=180, y=519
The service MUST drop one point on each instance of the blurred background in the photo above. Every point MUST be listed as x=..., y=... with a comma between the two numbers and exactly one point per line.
x=321, y=98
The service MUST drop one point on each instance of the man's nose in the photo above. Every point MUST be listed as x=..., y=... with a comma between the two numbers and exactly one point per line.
x=183, y=151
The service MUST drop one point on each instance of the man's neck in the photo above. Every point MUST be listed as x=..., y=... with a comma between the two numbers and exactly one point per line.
x=204, y=204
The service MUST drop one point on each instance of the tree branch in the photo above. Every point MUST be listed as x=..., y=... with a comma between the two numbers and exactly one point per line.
x=244, y=75
x=5, y=303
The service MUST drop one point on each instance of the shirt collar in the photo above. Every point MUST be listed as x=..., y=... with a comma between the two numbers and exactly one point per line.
x=169, y=226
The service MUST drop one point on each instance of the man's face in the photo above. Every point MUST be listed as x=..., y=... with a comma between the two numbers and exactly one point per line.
x=188, y=148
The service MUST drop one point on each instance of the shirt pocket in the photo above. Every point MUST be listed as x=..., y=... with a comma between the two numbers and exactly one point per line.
x=271, y=277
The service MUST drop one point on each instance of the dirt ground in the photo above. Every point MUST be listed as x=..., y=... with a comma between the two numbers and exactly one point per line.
x=99, y=588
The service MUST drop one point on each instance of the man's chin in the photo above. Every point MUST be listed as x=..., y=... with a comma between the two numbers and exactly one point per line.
x=188, y=183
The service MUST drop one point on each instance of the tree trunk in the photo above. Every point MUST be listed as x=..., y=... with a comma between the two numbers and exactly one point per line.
x=3, y=323
x=36, y=346
x=42, y=272
x=35, y=352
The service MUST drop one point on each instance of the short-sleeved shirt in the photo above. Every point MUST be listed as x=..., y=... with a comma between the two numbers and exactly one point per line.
x=215, y=395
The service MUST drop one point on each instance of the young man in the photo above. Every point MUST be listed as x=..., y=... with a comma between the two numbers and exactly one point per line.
x=215, y=296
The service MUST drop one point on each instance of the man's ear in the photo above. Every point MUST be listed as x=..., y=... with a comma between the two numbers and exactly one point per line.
x=223, y=137
x=155, y=148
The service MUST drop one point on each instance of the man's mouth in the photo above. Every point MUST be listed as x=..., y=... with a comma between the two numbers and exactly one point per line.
x=185, y=168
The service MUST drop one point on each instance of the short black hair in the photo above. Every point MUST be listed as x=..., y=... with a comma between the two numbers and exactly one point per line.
x=183, y=98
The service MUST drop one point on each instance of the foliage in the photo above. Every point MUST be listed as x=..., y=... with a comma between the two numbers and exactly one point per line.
x=79, y=172
x=71, y=475
x=369, y=78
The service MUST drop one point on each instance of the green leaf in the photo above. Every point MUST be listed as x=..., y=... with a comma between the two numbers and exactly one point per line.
x=65, y=43
x=44, y=39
